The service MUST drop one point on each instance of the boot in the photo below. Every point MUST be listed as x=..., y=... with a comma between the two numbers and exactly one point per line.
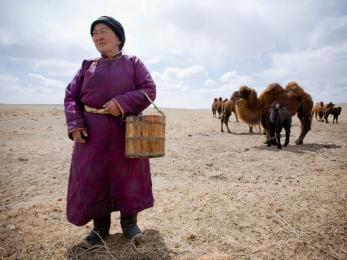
x=100, y=231
x=129, y=226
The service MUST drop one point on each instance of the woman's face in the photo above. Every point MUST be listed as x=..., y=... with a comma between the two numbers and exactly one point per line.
x=105, y=40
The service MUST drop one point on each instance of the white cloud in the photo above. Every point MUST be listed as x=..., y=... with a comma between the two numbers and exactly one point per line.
x=210, y=83
x=231, y=77
x=329, y=31
x=179, y=74
x=175, y=82
x=7, y=37
x=153, y=61
x=195, y=48
x=190, y=72
x=7, y=80
x=57, y=67
x=40, y=90
x=45, y=85
x=319, y=71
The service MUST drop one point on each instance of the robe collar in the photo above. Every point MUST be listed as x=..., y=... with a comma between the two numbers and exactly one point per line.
x=117, y=55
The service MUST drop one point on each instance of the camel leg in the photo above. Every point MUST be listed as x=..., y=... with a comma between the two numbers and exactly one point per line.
x=250, y=129
x=278, y=138
x=265, y=124
x=227, y=122
x=287, y=128
x=259, y=128
x=219, y=113
x=326, y=118
x=286, y=142
x=270, y=137
x=305, y=127
x=271, y=131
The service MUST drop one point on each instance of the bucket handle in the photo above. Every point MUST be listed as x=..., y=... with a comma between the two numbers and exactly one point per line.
x=150, y=100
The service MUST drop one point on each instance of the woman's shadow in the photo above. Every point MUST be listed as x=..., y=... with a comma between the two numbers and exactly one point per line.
x=148, y=245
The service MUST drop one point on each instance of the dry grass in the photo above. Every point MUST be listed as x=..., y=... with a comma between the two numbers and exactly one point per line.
x=218, y=195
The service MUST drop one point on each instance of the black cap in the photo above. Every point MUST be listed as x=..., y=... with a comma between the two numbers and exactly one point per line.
x=114, y=25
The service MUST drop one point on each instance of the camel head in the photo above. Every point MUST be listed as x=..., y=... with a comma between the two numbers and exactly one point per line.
x=330, y=105
x=244, y=92
x=273, y=110
x=275, y=106
x=235, y=96
x=250, y=95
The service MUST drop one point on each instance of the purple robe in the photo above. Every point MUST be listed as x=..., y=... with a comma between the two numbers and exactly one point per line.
x=101, y=178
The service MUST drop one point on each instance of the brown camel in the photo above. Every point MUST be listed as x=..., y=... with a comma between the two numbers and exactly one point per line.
x=253, y=109
x=217, y=106
x=318, y=110
x=214, y=107
x=229, y=108
x=223, y=105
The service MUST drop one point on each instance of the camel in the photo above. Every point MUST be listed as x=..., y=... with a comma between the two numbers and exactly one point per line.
x=214, y=107
x=253, y=109
x=335, y=111
x=279, y=117
x=318, y=110
x=223, y=105
x=229, y=108
x=217, y=106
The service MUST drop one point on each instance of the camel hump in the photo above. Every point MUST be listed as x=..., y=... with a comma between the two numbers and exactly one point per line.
x=244, y=91
x=273, y=88
x=293, y=86
x=296, y=90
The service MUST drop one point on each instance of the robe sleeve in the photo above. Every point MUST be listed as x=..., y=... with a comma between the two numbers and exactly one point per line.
x=72, y=104
x=134, y=102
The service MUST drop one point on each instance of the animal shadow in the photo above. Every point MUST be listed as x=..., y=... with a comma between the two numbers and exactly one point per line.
x=246, y=133
x=300, y=149
x=149, y=245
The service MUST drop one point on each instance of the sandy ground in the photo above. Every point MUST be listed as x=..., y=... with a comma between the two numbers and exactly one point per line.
x=218, y=195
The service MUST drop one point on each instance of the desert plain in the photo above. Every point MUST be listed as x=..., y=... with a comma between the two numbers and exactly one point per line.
x=217, y=195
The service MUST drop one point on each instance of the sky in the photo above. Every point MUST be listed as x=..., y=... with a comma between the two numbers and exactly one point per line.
x=194, y=50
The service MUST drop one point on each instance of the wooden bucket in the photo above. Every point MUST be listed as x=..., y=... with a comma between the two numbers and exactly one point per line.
x=145, y=135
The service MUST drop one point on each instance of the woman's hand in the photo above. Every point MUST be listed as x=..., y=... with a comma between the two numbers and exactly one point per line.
x=79, y=136
x=112, y=108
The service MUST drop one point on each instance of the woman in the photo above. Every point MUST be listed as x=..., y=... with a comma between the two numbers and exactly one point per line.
x=102, y=179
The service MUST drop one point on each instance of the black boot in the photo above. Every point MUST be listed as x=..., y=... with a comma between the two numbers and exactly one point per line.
x=100, y=231
x=129, y=226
